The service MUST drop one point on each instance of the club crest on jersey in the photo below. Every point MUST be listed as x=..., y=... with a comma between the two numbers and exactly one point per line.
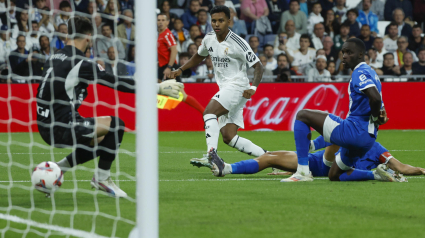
x=100, y=67
x=250, y=57
x=226, y=51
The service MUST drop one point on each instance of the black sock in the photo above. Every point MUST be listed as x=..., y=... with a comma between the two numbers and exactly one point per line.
x=80, y=156
x=109, y=146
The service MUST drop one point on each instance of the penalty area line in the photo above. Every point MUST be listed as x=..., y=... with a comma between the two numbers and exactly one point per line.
x=64, y=230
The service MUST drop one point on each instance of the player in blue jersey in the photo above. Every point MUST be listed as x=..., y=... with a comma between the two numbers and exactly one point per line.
x=357, y=133
x=319, y=163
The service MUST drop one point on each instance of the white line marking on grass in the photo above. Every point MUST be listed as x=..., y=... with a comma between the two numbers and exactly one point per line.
x=64, y=230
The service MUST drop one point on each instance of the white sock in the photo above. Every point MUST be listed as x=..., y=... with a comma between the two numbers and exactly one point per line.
x=303, y=169
x=246, y=146
x=101, y=174
x=312, y=147
x=227, y=169
x=64, y=165
x=212, y=131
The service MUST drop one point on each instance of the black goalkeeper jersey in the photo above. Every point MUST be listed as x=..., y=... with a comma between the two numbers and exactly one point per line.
x=66, y=76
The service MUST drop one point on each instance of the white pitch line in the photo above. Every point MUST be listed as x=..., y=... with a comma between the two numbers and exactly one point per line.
x=203, y=180
x=64, y=230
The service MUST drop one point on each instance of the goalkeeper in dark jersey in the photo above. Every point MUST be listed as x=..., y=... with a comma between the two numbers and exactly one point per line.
x=66, y=76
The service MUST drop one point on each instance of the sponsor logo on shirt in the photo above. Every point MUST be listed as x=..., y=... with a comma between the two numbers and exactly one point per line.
x=220, y=62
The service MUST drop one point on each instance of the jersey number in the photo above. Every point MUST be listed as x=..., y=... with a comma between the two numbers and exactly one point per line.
x=44, y=82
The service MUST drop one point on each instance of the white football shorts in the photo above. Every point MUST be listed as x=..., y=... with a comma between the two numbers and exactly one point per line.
x=231, y=98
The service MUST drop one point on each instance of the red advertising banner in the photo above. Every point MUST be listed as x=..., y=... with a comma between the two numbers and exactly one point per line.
x=273, y=107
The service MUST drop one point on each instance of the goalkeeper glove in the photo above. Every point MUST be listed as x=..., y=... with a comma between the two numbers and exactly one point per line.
x=170, y=88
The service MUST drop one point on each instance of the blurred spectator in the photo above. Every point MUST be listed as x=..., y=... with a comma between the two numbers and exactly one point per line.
x=112, y=9
x=304, y=6
x=378, y=44
x=340, y=67
x=32, y=39
x=403, y=29
x=126, y=30
x=312, y=64
x=282, y=47
x=418, y=11
x=332, y=70
x=330, y=52
x=355, y=26
x=340, y=39
x=390, y=40
x=282, y=71
x=101, y=5
x=206, y=5
x=80, y=5
x=415, y=39
x=299, y=18
x=331, y=24
x=104, y=43
x=59, y=41
x=367, y=17
x=165, y=9
x=365, y=36
x=131, y=67
x=254, y=43
x=340, y=11
x=192, y=49
x=271, y=61
x=189, y=17
x=7, y=45
x=227, y=3
x=92, y=8
x=326, y=5
x=372, y=59
x=267, y=72
x=9, y=19
x=418, y=68
x=23, y=23
x=45, y=25
x=19, y=59
x=35, y=12
x=180, y=34
x=45, y=46
x=198, y=40
x=206, y=70
x=293, y=36
x=319, y=73
x=377, y=8
x=315, y=17
x=407, y=66
x=203, y=23
x=98, y=24
x=194, y=31
x=388, y=67
x=252, y=10
x=366, y=58
x=236, y=25
x=304, y=55
x=318, y=36
x=391, y=5
x=167, y=50
x=183, y=59
x=402, y=45
x=64, y=14
x=113, y=66
x=276, y=7
x=127, y=4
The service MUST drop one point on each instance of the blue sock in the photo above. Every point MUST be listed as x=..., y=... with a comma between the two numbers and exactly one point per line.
x=245, y=167
x=357, y=175
x=320, y=143
x=302, y=143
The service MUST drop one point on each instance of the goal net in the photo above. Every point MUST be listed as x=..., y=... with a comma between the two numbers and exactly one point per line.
x=74, y=210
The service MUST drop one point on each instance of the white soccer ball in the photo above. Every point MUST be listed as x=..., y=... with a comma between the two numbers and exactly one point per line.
x=47, y=177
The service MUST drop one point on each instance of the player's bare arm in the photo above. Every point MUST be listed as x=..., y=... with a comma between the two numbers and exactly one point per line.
x=405, y=169
x=258, y=75
x=194, y=61
x=375, y=103
x=173, y=55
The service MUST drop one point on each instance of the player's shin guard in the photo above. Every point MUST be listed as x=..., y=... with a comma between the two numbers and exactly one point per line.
x=245, y=167
x=302, y=144
x=319, y=143
x=246, y=146
x=211, y=131
x=357, y=175
x=108, y=147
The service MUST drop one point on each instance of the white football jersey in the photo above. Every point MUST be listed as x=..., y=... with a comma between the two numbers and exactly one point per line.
x=301, y=60
x=229, y=58
x=389, y=44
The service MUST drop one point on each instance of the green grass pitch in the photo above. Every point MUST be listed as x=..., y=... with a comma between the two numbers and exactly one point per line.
x=193, y=203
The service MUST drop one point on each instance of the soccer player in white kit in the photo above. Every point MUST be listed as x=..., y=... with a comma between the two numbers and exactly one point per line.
x=230, y=54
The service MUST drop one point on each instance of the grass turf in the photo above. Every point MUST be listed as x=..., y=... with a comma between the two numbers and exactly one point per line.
x=193, y=203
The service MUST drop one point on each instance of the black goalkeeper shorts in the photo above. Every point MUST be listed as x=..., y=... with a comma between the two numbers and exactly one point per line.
x=80, y=131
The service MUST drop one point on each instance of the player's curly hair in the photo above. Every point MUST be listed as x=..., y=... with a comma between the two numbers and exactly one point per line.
x=223, y=9
x=79, y=26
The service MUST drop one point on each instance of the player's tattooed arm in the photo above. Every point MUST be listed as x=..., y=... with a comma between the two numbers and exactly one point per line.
x=258, y=75
x=194, y=61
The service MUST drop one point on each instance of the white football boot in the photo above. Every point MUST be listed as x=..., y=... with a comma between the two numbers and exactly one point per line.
x=383, y=173
x=299, y=177
x=109, y=187
x=202, y=162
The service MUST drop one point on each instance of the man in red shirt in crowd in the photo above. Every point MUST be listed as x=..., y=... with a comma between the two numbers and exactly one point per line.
x=167, y=48
x=167, y=52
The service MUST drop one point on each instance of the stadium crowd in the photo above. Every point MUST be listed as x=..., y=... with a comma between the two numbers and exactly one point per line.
x=296, y=40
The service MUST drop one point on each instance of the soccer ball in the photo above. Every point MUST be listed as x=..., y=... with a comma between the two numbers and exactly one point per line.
x=47, y=177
